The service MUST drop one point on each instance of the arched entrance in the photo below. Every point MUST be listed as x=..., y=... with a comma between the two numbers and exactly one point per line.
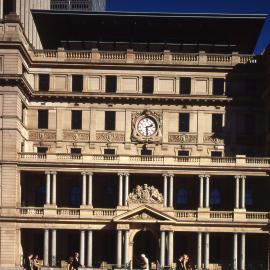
x=145, y=242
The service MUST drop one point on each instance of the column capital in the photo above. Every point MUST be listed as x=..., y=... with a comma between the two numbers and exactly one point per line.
x=204, y=176
x=47, y=172
x=122, y=227
x=54, y=172
x=126, y=173
x=237, y=176
x=243, y=177
x=83, y=173
x=90, y=173
x=121, y=174
x=165, y=174
x=171, y=175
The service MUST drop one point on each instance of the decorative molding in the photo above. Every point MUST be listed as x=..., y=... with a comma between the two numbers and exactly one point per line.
x=183, y=138
x=122, y=227
x=110, y=136
x=76, y=136
x=145, y=194
x=142, y=216
x=212, y=138
x=35, y=135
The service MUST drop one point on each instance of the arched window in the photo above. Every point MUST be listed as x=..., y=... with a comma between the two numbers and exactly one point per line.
x=75, y=196
x=182, y=196
x=249, y=198
x=215, y=198
x=40, y=195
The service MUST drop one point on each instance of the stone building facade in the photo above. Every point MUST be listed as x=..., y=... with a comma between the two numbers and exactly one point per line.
x=129, y=147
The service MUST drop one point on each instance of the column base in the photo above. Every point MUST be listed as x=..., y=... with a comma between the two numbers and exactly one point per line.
x=86, y=210
x=239, y=214
x=50, y=210
x=203, y=213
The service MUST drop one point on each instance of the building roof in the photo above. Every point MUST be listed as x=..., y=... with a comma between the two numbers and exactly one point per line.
x=140, y=31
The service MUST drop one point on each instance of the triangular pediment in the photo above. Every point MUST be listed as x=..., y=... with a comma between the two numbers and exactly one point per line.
x=144, y=213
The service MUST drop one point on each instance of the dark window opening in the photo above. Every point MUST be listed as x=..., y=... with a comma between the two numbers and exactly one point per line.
x=109, y=151
x=43, y=119
x=110, y=120
x=217, y=123
x=44, y=82
x=9, y=6
x=77, y=83
x=249, y=124
x=23, y=113
x=218, y=87
x=182, y=196
x=215, y=197
x=216, y=153
x=75, y=151
x=148, y=85
x=183, y=153
x=183, y=122
x=146, y=152
x=185, y=86
x=41, y=195
x=75, y=197
x=42, y=150
x=76, y=119
x=111, y=84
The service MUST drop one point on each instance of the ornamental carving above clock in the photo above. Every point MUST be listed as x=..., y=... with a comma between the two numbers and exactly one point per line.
x=146, y=127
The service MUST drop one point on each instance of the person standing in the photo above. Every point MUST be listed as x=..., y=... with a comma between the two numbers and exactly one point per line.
x=28, y=262
x=144, y=262
x=76, y=263
x=70, y=263
x=36, y=264
x=181, y=263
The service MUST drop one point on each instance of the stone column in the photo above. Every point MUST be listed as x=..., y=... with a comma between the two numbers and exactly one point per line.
x=53, y=257
x=120, y=192
x=171, y=191
x=1, y=9
x=207, y=191
x=119, y=249
x=84, y=188
x=82, y=248
x=235, y=248
x=90, y=189
x=126, y=248
x=126, y=187
x=201, y=191
x=243, y=252
x=46, y=248
x=237, y=191
x=165, y=189
x=54, y=187
x=90, y=249
x=243, y=191
x=48, y=187
x=206, y=249
x=162, y=248
x=199, y=251
x=170, y=248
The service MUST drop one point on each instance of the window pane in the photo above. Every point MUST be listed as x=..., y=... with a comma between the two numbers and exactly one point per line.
x=109, y=151
x=44, y=82
x=76, y=151
x=148, y=85
x=43, y=119
x=250, y=124
x=216, y=154
x=183, y=122
x=218, y=87
x=111, y=84
x=217, y=123
x=77, y=83
x=110, y=120
x=185, y=85
x=76, y=120
x=183, y=153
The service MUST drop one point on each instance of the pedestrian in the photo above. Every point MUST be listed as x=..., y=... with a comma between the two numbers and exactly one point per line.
x=144, y=262
x=36, y=264
x=28, y=262
x=181, y=263
x=70, y=263
x=76, y=263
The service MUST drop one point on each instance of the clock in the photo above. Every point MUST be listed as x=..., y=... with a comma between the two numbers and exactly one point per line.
x=147, y=126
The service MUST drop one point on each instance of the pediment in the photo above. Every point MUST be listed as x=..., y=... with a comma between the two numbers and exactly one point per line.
x=144, y=213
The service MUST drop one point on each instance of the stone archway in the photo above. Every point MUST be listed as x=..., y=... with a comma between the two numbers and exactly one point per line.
x=145, y=242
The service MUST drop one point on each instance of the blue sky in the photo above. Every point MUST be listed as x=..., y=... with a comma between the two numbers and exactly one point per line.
x=200, y=6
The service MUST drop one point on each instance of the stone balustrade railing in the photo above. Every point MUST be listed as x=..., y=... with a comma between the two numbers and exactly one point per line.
x=238, y=161
x=132, y=57
x=181, y=215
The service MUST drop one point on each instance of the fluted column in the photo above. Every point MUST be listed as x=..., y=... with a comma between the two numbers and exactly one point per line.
x=170, y=248
x=206, y=249
x=171, y=191
x=235, y=251
x=90, y=189
x=126, y=187
x=243, y=252
x=237, y=191
x=126, y=248
x=201, y=191
x=84, y=188
x=53, y=257
x=119, y=248
x=162, y=248
x=120, y=191
x=82, y=248
x=207, y=191
x=54, y=187
x=165, y=192
x=48, y=187
x=46, y=248
x=90, y=249
x=243, y=191
x=199, y=251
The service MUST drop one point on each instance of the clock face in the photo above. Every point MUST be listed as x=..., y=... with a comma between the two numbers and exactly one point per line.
x=147, y=126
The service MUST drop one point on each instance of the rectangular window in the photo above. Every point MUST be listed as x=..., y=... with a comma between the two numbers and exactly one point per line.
x=249, y=124
x=75, y=153
x=183, y=153
x=148, y=85
x=218, y=86
x=111, y=84
x=110, y=120
x=77, y=83
x=146, y=152
x=217, y=122
x=42, y=150
x=109, y=151
x=76, y=119
x=44, y=82
x=216, y=153
x=23, y=113
x=183, y=122
x=43, y=119
x=185, y=86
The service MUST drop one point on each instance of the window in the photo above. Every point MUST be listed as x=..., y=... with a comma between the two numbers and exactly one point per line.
x=77, y=83
x=43, y=120
x=249, y=198
x=44, y=82
x=217, y=123
x=249, y=124
x=23, y=113
x=148, y=85
x=109, y=151
x=75, y=151
x=110, y=120
x=218, y=87
x=42, y=152
x=185, y=86
x=183, y=153
x=75, y=197
x=215, y=198
x=40, y=195
x=146, y=152
x=9, y=6
x=183, y=122
x=111, y=84
x=76, y=119
x=182, y=196
x=216, y=153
